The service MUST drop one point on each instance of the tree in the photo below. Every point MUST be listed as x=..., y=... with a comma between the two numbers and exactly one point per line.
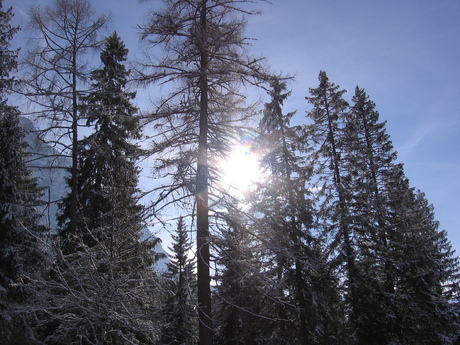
x=205, y=56
x=181, y=319
x=368, y=163
x=326, y=135
x=107, y=176
x=401, y=272
x=22, y=239
x=107, y=279
x=22, y=249
x=394, y=229
x=57, y=74
x=423, y=266
x=285, y=187
x=286, y=225
x=241, y=311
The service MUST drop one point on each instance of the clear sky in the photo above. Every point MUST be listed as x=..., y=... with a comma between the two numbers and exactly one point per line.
x=404, y=53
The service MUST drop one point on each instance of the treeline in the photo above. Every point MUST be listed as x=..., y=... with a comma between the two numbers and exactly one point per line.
x=332, y=245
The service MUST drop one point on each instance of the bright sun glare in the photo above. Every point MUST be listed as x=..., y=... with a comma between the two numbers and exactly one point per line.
x=240, y=170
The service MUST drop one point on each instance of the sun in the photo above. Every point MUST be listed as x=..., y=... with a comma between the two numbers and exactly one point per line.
x=241, y=170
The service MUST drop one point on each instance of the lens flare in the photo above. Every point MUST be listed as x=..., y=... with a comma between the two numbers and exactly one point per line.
x=241, y=170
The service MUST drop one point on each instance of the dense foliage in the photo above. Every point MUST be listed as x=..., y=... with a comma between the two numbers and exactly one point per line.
x=331, y=246
x=22, y=239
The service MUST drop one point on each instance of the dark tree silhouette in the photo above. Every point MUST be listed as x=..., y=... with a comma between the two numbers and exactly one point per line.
x=22, y=239
x=205, y=56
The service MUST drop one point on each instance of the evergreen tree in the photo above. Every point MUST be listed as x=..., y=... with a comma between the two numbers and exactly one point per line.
x=242, y=298
x=369, y=161
x=181, y=319
x=401, y=255
x=402, y=273
x=287, y=226
x=105, y=286
x=107, y=158
x=22, y=240
x=425, y=272
x=22, y=249
x=326, y=137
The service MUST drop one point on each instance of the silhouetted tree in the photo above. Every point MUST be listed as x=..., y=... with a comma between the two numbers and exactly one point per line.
x=205, y=56
x=22, y=242
x=286, y=225
x=425, y=271
x=326, y=153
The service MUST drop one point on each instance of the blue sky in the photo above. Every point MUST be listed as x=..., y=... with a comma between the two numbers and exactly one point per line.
x=404, y=53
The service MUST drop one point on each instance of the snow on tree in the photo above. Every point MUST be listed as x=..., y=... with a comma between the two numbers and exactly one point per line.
x=56, y=74
x=22, y=239
x=180, y=313
x=368, y=160
x=400, y=272
x=286, y=224
x=242, y=298
x=425, y=272
x=326, y=152
x=393, y=224
x=104, y=287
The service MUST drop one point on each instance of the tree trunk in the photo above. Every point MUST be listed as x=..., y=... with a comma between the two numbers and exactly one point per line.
x=203, y=256
x=74, y=168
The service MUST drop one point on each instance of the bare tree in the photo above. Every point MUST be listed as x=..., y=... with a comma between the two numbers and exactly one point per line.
x=205, y=61
x=57, y=72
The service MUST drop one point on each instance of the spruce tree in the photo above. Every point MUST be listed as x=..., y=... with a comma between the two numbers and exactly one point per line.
x=181, y=318
x=368, y=161
x=243, y=294
x=425, y=272
x=107, y=158
x=400, y=254
x=287, y=224
x=23, y=255
x=106, y=280
x=325, y=138
x=22, y=243
x=406, y=273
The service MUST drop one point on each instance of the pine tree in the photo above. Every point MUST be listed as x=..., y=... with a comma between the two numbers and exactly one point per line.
x=285, y=180
x=106, y=278
x=405, y=269
x=22, y=240
x=107, y=158
x=181, y=319
x=22, y=248
x=396, y=240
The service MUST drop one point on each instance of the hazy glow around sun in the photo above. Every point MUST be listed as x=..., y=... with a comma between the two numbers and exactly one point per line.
x=241, y=169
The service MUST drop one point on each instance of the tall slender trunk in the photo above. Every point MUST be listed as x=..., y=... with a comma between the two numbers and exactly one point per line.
x=203, y=256
x=74, y=168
